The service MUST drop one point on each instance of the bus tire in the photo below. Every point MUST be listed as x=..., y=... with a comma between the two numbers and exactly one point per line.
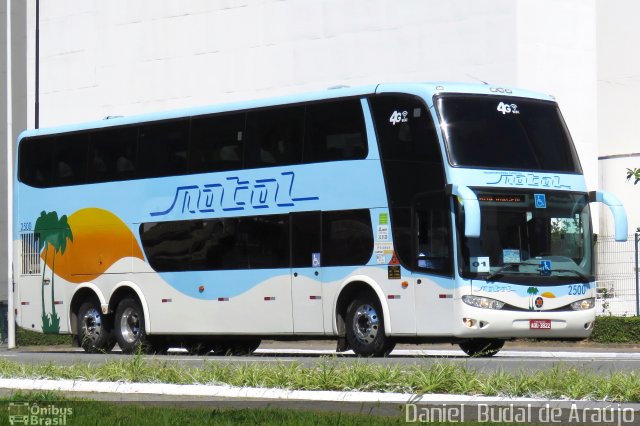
x=365, y=327
x=129, y=327
x=481, y=348
x=95, y=334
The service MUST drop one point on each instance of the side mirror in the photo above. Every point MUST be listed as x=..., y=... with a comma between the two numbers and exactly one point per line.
x=471, y=205
x=617, y=209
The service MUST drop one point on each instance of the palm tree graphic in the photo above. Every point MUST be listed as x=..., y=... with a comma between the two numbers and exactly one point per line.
x=531, y=291
x=54, y=232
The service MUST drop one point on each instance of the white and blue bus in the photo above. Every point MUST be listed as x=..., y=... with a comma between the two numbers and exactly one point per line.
x=375, y=215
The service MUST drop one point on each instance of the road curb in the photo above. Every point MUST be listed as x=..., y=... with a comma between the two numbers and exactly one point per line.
x=226, y=391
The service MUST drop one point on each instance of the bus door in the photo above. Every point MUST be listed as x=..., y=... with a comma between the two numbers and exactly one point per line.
x=433, y=268
x=306, y=280
x=32, y=288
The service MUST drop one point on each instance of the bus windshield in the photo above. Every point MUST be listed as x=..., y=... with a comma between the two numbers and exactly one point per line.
x=506, y=133
x=529, y=237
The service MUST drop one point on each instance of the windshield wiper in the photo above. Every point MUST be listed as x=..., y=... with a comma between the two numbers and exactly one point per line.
x=492, y=276
x=577, y=273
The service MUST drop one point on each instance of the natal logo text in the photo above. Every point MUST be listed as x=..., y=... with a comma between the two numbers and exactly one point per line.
x=526, y=179
x=235, y=194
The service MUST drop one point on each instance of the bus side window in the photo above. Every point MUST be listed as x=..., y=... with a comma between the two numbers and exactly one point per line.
x=335, y=131
x=412, y=165
x=268, y=241
x=70, y=159
x=405, y=129
x=403, y=234
x=347, y=237
x=112, y=154
x=433, y=233
x=35, y=161
x=216, y=143
x=163, y=148
x=274, y=137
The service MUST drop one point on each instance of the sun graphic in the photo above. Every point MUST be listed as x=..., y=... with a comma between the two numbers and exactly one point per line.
x=99, y=240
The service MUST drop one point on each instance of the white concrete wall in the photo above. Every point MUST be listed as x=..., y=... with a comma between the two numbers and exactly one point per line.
x=103, y=58
x=557, y=54
x=618, y=100
x=121, y=57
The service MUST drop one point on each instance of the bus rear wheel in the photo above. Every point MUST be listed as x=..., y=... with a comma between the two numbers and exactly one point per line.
x=129, y=327
x=365, y=327
x=482, y=347
x=94, y=331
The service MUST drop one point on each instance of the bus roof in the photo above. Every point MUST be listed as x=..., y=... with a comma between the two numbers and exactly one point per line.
x=424, y=89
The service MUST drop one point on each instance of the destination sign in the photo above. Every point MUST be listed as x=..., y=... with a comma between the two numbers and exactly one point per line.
x=502, y=198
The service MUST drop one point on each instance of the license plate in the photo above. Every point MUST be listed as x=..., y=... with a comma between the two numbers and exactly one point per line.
x=539, y=324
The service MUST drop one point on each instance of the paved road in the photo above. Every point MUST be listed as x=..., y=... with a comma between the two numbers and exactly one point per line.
x=515, y=356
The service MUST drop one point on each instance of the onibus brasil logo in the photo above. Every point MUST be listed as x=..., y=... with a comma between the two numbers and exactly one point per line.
x=27, y=413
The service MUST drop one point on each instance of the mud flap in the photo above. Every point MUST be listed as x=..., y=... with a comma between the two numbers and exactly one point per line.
x=342, y=344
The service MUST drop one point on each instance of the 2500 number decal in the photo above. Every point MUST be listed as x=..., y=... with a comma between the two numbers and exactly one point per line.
x=578, y=289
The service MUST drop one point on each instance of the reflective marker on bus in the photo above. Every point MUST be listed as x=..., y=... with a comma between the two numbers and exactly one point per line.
x=374, y=215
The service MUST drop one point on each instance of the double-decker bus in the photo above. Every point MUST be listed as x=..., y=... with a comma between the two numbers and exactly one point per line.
x=375, y=215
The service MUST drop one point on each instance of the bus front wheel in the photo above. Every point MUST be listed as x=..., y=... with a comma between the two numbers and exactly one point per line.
x=94, y=331
x=129, y=327
x=481, y=347
x=365, y=327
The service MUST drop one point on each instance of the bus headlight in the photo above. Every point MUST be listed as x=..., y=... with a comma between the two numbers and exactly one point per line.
x=583, y=304
x=482, y=302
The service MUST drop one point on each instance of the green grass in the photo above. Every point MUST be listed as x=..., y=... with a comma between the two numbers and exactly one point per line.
x=559, y=382
x=610, y=329
x=85, y=412
x=26, y=337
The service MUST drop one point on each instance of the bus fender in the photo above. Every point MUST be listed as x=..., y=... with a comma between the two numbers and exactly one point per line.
x=91, y=286
x=375, y=287
x=143, y=302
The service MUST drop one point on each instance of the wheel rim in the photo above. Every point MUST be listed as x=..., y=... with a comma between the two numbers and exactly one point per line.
x=92, y=324
x=366, y=323
x=130, y=325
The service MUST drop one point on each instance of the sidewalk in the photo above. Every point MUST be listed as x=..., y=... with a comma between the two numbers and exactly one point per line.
x=520, y=345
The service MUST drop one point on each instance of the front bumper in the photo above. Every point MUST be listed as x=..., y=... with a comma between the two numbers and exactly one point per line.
x=504, y=324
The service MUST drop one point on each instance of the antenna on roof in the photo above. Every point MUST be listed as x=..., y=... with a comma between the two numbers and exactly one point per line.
x=111, y=117
x=477, y=79
x=339, y=86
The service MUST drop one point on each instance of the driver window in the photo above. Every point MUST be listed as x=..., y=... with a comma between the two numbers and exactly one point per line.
x=433, y=233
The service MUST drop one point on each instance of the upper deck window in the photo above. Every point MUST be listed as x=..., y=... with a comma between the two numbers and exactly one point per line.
x=314, y=132
x=506, y=133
